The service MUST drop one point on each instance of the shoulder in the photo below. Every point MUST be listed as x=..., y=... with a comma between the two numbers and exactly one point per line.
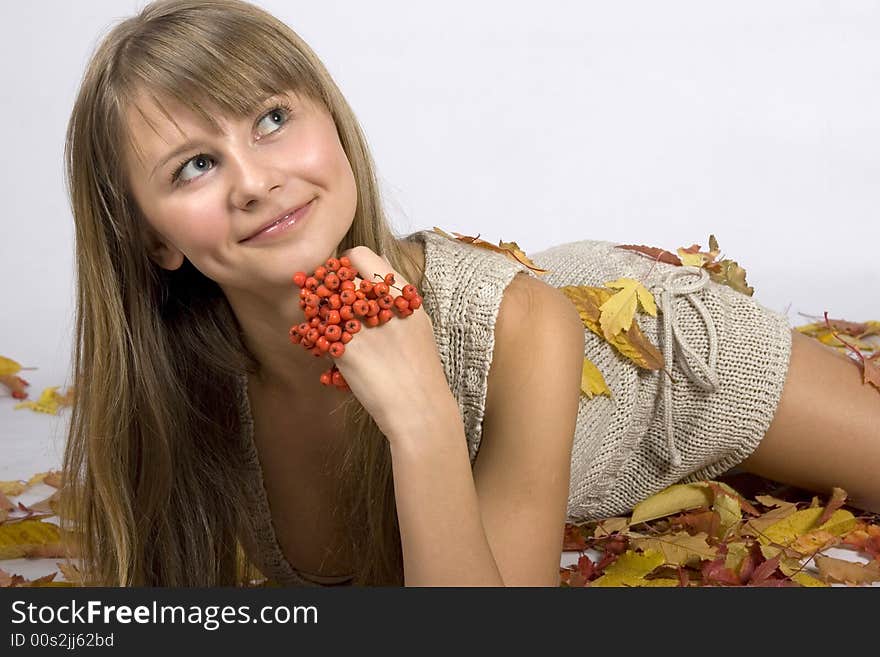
x=528, y=302
x=536, y=322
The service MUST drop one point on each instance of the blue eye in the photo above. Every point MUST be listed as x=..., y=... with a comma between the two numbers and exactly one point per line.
x=284, y=110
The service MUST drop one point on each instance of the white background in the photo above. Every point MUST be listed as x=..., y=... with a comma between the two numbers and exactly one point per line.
x=635, y=122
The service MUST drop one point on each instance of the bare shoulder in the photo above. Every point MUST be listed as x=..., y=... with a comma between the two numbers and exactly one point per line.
x=531, y=314
x=529, y=299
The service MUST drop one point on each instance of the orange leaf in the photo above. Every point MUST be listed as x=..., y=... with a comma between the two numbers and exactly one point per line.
x=508, y=249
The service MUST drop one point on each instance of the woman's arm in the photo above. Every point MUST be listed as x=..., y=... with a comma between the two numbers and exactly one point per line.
x=502, y=523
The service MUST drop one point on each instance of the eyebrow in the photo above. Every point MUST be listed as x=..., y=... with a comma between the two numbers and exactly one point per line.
x=192, y=144
x=180, y=150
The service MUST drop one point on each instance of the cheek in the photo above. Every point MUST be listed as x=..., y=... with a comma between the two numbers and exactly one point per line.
x=199, y=226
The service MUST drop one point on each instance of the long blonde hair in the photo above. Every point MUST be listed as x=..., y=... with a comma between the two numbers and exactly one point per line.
x=154, y=431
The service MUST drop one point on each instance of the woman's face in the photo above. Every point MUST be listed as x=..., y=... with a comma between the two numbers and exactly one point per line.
x=202, y=193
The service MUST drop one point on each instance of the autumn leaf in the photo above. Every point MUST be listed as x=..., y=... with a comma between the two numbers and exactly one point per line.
x=726, y=271
x=49, y=401
x=510, y=250
x=838, y=497
x=659, y=255
x=733, y=276
x=679, y=548
x=631, y=342
x=630, y=569
x=30, y=539
x=8, y=366
x=592, y=381
x=847, y=572
x=619, y=310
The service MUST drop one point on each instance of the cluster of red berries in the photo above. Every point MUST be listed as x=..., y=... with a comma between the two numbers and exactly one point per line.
x=333, y=304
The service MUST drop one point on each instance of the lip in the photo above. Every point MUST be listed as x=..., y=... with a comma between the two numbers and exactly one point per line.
x=270, y=229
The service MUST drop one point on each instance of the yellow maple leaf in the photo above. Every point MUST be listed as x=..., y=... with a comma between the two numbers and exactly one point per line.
x=797, y=524
x=691, y=259
x=631, y=343
x=678, y=549
x=618, y=312
x=592, y=381
x=8, y=366
x=630, y=569
x=49, y=401
x=12, y=488
x=27, y=538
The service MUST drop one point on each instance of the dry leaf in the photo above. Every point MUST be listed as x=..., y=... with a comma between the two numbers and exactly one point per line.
x=49, y=402
x=630, y=569
x=592, y=381
x=619, y=310
x=848, y=572
x=30, y=539
x=679, y=548
x=508, y=249
x=631, y=343
x=8, y=366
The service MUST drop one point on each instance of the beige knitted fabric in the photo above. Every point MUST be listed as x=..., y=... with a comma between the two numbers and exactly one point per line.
x=728, y=356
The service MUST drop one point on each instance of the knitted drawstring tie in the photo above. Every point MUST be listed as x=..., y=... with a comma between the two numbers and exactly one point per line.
x=670, y=287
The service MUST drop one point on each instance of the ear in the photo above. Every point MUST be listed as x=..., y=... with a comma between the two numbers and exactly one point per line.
x=161, y=252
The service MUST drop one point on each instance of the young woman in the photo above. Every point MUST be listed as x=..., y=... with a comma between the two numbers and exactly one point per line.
x=202, y=442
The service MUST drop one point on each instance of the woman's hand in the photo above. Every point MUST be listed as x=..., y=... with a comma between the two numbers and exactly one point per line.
x=394, y=369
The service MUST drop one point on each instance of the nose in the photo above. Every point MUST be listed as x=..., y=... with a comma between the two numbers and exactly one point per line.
x=254, y=178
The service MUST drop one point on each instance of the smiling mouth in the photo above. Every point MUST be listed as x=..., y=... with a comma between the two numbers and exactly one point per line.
x=297, y=213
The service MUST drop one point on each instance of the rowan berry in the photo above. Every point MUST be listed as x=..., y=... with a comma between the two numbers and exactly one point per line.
x=333, y=317
x=337, y=349
x=333, y=332
x=332, y=264
x=389, y=279
x=335, y=301
x=310, y=312
x=345, y=313
x=346, y=337
x=331, y=280
x=361, y=307
x=409, y=291
x=312, y=283
x=415, y=303
x=299, y=278
x=320, y=272
x=337, y=378
x=326, y=379
x=380, y=289
x=344, y=261
x=400, y=303
x=385, y=301
x=352, y=326
x=374, y=308
x=385, y=315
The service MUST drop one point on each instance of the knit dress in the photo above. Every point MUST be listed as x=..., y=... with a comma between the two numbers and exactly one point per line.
x=728, y=356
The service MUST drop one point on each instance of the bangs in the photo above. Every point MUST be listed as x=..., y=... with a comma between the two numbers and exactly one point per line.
x=220, y=69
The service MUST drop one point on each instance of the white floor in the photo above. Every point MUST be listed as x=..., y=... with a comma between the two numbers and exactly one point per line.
x=34, y=442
